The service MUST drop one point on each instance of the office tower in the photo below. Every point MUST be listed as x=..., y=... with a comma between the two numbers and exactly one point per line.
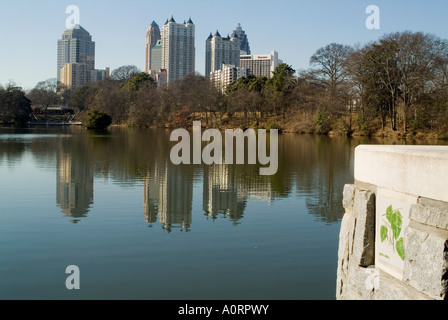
x=152, y=38
x=178, y=49
x=76, y=59
x=241, y=34
x=260, y=65
x=221, y=51
x=77, y=47
x=156, y=57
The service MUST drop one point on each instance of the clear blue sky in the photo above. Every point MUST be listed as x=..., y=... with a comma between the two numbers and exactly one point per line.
x=295, y=28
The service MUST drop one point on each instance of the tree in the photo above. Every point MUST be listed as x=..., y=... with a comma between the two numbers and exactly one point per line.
x=139, y=81
x=79, y=97
x=124, y=73
x=283, y=84
x=400, y=70
x=45, y=93
x=417, y=59
x=380, y=78
x=329, y=62
x=247, y=95
x=144, y=108
x=97, y=120
x=14, y=105
x=113, y=100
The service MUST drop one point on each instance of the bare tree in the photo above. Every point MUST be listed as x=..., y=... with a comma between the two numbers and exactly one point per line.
x=330, y=67
x=45, y=93
x=124, y=73
x=417, y=58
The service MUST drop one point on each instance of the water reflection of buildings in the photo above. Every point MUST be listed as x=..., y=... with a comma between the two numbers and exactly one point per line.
x=221, y=194
x=226, y=191
x=168, y=196
x=74, y=185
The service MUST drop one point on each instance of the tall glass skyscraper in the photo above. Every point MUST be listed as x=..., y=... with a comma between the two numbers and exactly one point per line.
x=76, y=47
x=241, y=34
x=152, y=38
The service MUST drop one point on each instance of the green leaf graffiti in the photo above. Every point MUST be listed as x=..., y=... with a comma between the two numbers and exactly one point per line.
x=391, y=231
x=400, y=248
x=384, y=232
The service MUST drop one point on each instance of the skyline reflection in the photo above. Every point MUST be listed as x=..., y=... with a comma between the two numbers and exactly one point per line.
x=317, y=167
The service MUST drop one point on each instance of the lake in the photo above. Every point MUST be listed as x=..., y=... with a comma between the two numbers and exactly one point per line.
x=139, y=227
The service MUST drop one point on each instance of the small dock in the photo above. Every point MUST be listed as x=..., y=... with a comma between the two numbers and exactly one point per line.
x=69, y=121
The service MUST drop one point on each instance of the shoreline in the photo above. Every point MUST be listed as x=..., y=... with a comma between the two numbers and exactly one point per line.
x=386, y=134
x=379, y=134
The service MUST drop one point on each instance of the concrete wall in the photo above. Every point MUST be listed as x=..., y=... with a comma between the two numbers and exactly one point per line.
x=394, y=235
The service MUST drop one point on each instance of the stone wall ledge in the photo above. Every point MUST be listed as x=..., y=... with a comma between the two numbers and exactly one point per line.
x=416, y=170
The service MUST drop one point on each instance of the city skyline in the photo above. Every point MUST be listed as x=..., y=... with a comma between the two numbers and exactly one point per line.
x=295, y=29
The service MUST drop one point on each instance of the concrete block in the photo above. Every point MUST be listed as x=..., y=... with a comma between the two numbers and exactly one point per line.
x=415, y=170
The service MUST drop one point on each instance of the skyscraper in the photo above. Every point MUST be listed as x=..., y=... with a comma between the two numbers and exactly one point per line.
x=178, y=49
x=241, y=34
x=76, y=46
x=76, y=59
x=152, y=37
x=156, y=57
x=221, y=51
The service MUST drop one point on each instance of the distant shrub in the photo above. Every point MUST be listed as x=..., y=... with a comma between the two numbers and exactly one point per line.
x=97, y=120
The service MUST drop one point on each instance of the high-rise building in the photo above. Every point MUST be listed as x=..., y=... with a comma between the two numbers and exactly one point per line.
x=76, y=46
x=156, y=57
x=241, y=34
x=178, y=49
x=152, y=38
x=76, y=59
x=260, y=65
x=221, y=51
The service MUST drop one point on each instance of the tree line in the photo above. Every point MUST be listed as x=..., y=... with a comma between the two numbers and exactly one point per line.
x=397, y=84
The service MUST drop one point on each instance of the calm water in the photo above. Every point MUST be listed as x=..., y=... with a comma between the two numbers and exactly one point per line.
x=139, y=227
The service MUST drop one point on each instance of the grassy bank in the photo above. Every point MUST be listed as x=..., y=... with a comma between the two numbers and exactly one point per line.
x=304, y=123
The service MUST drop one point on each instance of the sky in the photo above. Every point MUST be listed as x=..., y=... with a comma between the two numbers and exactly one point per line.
x=296, y=29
